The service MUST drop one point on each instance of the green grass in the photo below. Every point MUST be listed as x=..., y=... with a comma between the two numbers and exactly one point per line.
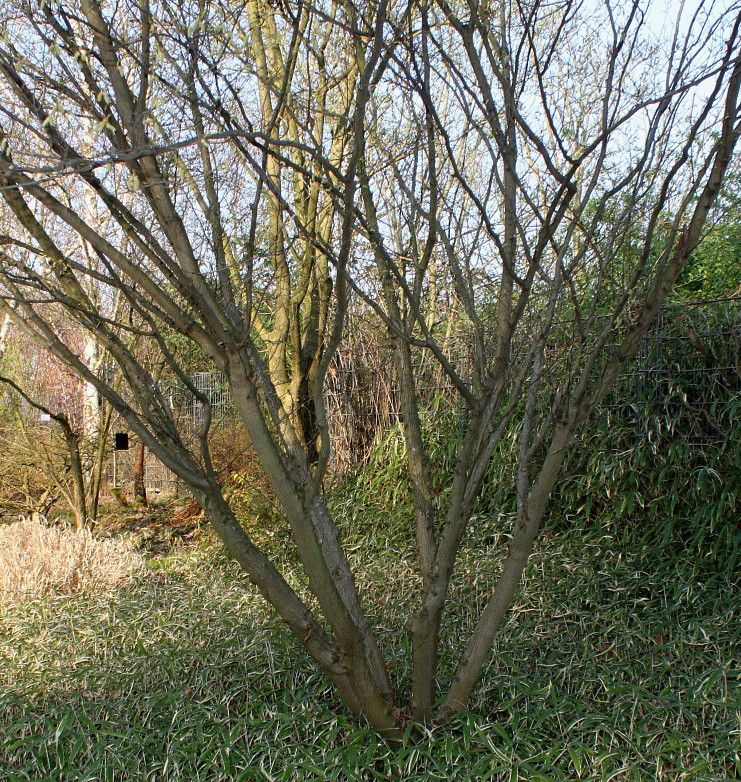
x=617, y=663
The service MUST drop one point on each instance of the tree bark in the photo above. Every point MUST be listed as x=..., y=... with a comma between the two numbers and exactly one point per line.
x=140, y=487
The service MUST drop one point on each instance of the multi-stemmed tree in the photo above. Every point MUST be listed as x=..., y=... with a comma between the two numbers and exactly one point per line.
x=549, y=167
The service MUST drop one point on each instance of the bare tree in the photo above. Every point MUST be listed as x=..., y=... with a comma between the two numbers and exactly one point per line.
x=549, y=167
x=46, y=431
x=73, y=490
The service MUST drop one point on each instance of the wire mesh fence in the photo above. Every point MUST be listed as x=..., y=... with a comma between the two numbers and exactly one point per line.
x=121, y=470
x=689, y=361
x=190, y=411
x=687, y=365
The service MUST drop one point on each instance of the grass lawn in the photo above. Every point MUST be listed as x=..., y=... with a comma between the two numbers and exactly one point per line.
x=618, y=662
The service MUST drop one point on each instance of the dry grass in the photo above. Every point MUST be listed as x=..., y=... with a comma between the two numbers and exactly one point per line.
x=38, y=560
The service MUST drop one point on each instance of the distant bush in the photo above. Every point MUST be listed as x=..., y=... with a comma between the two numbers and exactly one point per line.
x=38, y=560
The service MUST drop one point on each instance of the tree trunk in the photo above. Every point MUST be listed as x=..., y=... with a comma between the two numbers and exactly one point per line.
x=72, y=441
x=140, y=488
x=99, y=464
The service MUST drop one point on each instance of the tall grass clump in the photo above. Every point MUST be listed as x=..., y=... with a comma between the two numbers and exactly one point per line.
x=638, y=473
x=38, y=560
x=662, y=461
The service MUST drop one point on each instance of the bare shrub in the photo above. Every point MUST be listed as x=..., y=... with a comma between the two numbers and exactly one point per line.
x=37, y=560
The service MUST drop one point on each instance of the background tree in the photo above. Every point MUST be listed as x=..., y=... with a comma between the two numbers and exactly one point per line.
x=547, y=167
x=47, y=431
x=715, y=267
